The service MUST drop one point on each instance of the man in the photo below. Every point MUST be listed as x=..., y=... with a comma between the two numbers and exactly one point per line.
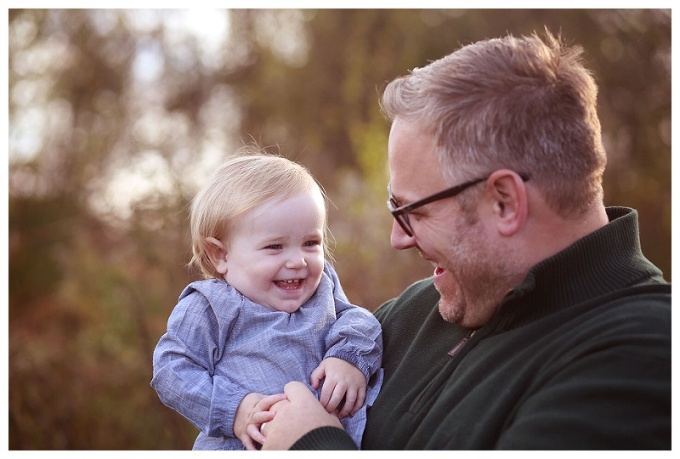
x=543, y=326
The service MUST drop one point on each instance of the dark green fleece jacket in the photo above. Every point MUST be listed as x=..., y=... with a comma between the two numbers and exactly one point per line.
x=578, y=357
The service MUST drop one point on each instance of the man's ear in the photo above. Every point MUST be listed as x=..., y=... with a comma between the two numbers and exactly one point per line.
x=510, y=206
x=217, y=253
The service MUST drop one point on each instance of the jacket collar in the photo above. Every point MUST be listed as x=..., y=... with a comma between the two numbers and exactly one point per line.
x=604, y=261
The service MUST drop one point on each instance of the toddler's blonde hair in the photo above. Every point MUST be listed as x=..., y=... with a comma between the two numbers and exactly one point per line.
x=242, y=183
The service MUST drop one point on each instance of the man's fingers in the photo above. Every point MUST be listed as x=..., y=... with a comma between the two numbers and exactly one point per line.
x=296, y=390
x=296, y=416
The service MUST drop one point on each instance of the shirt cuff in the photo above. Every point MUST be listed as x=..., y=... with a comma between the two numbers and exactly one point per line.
x=325, y=438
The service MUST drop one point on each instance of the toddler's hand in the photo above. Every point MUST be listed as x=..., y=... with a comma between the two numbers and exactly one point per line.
x=254, y=410
x=341, y=381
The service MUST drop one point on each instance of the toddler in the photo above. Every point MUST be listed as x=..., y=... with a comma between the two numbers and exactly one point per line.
x=270, y=309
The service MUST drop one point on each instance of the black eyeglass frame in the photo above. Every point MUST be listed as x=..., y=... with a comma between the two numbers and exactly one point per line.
x=400, y=214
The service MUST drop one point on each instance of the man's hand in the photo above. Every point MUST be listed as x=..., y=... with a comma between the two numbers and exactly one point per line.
x=294, y=417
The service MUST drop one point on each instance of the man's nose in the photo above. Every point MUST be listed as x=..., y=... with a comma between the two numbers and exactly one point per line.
x=399, y=239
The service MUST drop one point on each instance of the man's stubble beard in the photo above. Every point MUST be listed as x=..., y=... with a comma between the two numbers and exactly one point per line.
x=479, y=279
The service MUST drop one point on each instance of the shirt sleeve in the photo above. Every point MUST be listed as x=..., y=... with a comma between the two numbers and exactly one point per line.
x=184, y=373
x=356, y=335
x=325, y=438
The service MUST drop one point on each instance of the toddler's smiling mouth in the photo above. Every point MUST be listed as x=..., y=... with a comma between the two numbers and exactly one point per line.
x=290, y=284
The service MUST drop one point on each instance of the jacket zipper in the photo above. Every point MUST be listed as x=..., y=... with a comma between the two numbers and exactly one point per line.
x=435, y=383
x=457, y=348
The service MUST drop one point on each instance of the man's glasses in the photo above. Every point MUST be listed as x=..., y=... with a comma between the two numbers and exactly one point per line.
x=400, y=214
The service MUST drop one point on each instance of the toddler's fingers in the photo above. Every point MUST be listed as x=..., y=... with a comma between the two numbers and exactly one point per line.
x=262, y=416
x=326, y=395
x=361, y=399
x=349, y=405
x=336, y=399
x=253, y=431
x=267, y=402
x=317, y=375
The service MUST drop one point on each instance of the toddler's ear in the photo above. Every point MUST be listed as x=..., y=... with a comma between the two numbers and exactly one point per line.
x=217, y=253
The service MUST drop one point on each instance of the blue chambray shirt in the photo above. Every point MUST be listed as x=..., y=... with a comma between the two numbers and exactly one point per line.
x=220, y=346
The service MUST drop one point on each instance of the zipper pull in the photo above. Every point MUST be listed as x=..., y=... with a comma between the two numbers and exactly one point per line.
x=456, y=349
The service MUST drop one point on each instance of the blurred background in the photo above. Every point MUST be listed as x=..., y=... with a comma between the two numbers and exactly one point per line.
x=117, y=116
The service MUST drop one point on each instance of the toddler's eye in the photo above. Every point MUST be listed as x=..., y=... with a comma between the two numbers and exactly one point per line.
x=274, y=247
x=312, y=243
